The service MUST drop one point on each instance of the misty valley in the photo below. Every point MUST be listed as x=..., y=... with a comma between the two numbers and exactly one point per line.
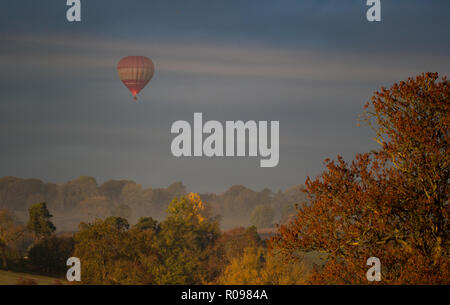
x=83, y=199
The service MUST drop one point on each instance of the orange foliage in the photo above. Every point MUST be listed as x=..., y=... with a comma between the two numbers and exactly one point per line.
x=391, y=203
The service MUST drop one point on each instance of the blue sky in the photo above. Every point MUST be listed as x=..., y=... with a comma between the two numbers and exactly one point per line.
x=309, y=64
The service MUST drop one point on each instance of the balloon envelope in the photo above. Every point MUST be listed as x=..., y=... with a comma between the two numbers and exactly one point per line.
x=135, y=72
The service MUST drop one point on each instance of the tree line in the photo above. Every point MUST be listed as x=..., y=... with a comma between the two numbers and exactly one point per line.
x=187, y=247
x=83, y=199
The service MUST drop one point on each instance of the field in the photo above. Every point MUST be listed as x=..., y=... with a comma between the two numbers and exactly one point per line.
x=11, y=278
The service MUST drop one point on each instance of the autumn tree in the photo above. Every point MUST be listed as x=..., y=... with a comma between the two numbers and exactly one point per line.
x=113, y=254
x=148, y=253
x=255, y=267
x=391, y=203
x=183, y=239
x=230, y=245
x=10, y=232
x=39, y=220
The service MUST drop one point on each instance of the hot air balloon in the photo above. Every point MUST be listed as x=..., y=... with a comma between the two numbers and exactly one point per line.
x=135, y=72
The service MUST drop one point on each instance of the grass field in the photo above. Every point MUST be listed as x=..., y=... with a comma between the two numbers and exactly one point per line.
x=11, y=278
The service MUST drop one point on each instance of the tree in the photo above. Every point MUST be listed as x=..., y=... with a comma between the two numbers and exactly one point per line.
x=262, y=216
x=147, y=223
x=119, y=223
x=72, y=192
x=112, y=254
x=10, y=232
x=230, y=245
x=50, y=254
x=134, y=197
x=255, y=267
x=170, y=253
x=39, y=220
x=98, y=245
x=391, y=203
x=184, y=237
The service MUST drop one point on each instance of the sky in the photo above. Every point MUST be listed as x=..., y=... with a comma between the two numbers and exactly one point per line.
x=311, y=65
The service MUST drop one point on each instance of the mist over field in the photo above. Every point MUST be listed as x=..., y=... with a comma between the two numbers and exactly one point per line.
x=83, y=199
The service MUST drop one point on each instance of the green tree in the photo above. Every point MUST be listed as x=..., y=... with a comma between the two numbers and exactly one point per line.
x=147, y=223
x=39, y=222
x=99, y=245
x=184, y=237
x=112, y=254
x=119, y=223
x=262, y=216
x=50, y=254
